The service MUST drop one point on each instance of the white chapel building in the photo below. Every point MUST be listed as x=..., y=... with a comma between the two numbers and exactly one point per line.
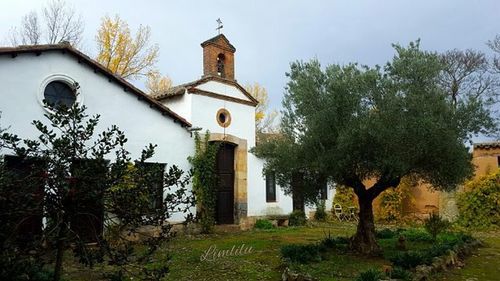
x=214, y=103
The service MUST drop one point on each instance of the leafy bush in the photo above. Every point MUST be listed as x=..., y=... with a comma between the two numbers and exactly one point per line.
x=370, y=275
x=478, y=204
x=17, y=268
x=301, y=253
x=392, y=201
x=417, y=234
x=435, y=225
x=385, y=233
x=320, y=214
x=263, y=224
x=345, y=197
x=410, y=259
x=445, y=242
x=297, y=218
x=401, y=274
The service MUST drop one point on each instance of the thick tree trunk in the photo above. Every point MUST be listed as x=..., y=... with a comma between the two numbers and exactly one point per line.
x=364, y=240
x=60, y=247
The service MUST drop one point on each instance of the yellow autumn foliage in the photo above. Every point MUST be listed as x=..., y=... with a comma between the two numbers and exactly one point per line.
x=264, y=120
x=123, y=54
x=157, y=84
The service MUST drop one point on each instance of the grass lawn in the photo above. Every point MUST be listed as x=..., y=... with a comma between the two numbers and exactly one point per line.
x=484, y=265
x=264, y=262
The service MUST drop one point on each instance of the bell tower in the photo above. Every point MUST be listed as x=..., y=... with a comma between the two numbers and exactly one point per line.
x=218, y=57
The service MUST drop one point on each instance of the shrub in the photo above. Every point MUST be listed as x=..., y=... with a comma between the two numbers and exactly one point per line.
x=328, y=242
x=297, y=218
x=385, y=233
x=410, y=259
x=345, y=197
x=263, y=224
x=301, y=253
x=435, y=225
x=478, y=204
x=320, y=214
x=417, y=234
x=393, y=200
x=401, y=274
x=370, y=275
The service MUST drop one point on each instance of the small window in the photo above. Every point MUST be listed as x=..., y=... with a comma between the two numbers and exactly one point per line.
x=271, y=187
x=59, y=93
x=154, y=173
x=223, y=118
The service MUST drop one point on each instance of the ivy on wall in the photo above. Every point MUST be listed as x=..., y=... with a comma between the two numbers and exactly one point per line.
x=394, y=201
x=479, y=203
x=205, y=180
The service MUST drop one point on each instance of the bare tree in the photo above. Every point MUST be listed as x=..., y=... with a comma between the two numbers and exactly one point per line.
x=60, y=23
x=495, y=47
x=467, y=75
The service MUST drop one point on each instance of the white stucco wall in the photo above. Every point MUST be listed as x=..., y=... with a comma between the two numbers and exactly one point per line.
x=181, y=105
x=22, y=76
x=223, y=89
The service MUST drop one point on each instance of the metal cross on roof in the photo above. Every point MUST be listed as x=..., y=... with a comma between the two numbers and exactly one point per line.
x=220, y=26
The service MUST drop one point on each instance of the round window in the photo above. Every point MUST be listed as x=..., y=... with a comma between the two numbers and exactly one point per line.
x=59, y=93
x=223, y=118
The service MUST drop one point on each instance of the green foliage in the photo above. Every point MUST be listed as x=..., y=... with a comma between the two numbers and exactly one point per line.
x=320, y=214
x=417, y=234
x=479, y=204
x=392, y=201
x=330, y=242
x=345, y=197
x=351, y=123
x=386, y=233
x=444, y=243
x=301, y=253
x=263, y=224
x=297, y=218
x=370, y=275
x=17, y=268
x=401, y=274
x=435, y=225
x=205, y=180
x=409, y=259
x=70, y=162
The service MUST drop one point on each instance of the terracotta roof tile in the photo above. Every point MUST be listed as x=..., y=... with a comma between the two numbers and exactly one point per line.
x=487, y=145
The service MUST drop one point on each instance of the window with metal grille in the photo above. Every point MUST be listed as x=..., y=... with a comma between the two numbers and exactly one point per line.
x=270, y=187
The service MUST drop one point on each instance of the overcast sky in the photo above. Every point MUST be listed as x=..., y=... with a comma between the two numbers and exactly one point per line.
x=269, y=34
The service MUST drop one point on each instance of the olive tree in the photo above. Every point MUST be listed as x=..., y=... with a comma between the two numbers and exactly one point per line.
x=354, y=123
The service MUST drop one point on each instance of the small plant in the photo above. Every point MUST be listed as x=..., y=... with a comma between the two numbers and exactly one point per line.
x=263, y=224
x=417, y=234
x=409, y=260
x=401, y=274
x=297, y=218
x=370, y=275
x=435, y=225
x=320, y=214
x=301, y=253
x=385, y=233
x=328, y=242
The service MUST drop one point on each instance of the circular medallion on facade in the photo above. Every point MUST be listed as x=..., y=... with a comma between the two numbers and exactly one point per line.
x=223, y=117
